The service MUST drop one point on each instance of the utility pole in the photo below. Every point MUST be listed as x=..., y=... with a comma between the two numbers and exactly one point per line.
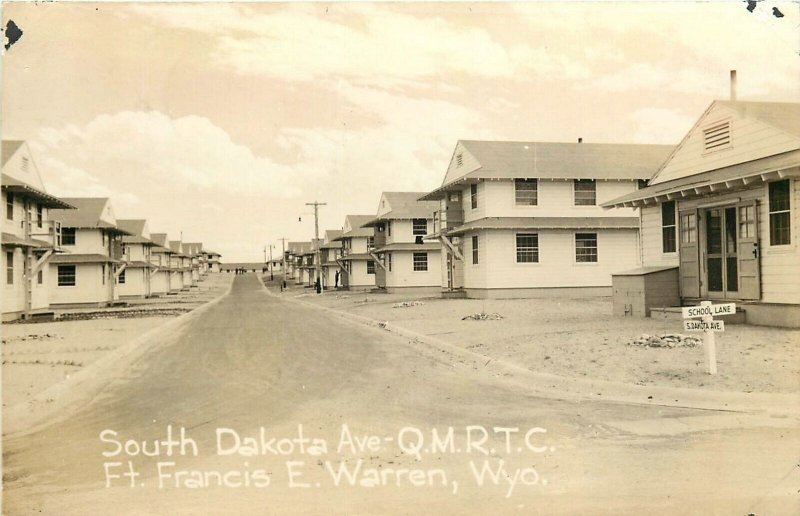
x=271, y=275
x=283, y=260
x=317, y=253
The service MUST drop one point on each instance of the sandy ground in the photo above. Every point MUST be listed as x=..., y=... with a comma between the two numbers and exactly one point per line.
x=253, y=360
x=38, y=355
x=581, y=337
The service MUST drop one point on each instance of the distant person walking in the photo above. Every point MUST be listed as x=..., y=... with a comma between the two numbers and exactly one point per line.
x=336, y=279
x=318, y=286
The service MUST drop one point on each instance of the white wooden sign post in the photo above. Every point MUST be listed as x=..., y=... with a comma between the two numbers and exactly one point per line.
x=706, y=312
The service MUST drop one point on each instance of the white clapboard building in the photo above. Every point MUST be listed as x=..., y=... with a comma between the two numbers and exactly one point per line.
x=523, y=219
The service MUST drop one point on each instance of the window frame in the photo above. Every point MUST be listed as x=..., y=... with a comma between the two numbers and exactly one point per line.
x=414, y=261
x=39, y=215
x=575, y=183
x=666, y=227
x=415, y=231
x=10, y=267
x=475, y=242
x=69, y=231
x=787, y=212
x=473, y=196
x=60, y=275
x=372, y=264
x=596, y=248
x=526, y=181
x=121, y=277
x=535, y=249
x=9, y=205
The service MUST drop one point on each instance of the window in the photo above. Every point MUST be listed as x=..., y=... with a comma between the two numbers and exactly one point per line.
x=717, y=136
x=40, y=277
x=10, y=206
x=420, y=261
x=389, y=261
x=473, y=196
x=641, y=183
x=585, y=192
x=419, y=227
x=389, y=228
x=370, y=243
x=475, y=250
x=688, y=228
x=526, y=192
x=747, y=221
x=9, y=267
x=66, y=275
x=121, y=278
x=67, y=236
x=527, y=248
x=103, y=273
x=585, y=247
x=370, y=266
x=668, y=235
x=39, y=215
x=779, y=214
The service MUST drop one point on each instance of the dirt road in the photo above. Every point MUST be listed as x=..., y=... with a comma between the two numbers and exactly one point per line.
x=375, y=412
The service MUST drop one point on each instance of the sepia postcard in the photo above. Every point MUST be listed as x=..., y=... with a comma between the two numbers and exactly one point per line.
x=390, y=258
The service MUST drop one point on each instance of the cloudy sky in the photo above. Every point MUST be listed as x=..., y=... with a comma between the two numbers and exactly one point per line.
x=222, y=120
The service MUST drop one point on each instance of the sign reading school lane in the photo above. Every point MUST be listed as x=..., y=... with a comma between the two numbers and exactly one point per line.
x=690, y=312
x=708, y=326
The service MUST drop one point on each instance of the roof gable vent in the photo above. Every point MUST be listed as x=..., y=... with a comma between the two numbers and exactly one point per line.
x=717, y=136
x=459, y=159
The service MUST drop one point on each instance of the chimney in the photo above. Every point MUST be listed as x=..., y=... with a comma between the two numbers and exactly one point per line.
x=580, y=140
x=733, y=84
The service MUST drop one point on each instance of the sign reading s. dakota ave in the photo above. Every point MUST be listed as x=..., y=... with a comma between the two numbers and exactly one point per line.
x=709, y=310
x=704, y=325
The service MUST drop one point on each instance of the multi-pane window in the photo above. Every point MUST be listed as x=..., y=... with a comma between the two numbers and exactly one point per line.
x=526, y=192
x=389, y=228
x=747, y=222
x=39, y=215
x=370, y=266
x=473, y=196
x=585, y=192
x=121, y=277
x=389, y=261
x=9, y=267
x=668, y=234
x=420, y=261
x=419, y=227
x=585, y=247
x=10, y=206
x=779, y=213
x=67, y=236
x=688, y=228
x=475, y=249
x=370, y=243
x=527, y=248
x=66, y=275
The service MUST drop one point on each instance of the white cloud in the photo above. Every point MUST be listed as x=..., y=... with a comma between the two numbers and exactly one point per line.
x=186, y=151
x=658, y=125
x=360, y=42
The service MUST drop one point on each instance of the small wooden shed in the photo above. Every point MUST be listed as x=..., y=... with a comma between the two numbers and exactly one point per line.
x=638, y=290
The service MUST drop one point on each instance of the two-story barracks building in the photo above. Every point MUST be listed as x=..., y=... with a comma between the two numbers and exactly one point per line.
x=523, y=219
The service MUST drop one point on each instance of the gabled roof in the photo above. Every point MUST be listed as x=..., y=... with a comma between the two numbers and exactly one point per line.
x=403, y=205
x=162, y=242
x=782, y=115
x=332, y=234
x=18, y=187
x=550, y=160
x=90, y=212
x=176, y=247
x=136, y=228
x=298, y=248
x=356, y=222
x=8, y=149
